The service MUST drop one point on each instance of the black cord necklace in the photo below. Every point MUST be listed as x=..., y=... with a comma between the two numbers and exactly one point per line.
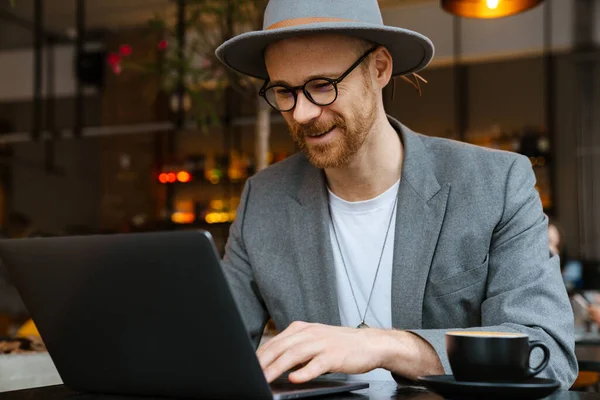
x=364, y=315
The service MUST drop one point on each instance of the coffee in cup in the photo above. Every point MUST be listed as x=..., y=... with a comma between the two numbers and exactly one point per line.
x=492, y=356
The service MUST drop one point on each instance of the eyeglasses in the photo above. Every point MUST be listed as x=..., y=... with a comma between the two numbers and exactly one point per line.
x=319, y=91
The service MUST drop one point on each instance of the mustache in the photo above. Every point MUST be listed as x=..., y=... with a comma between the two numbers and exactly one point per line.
x=317, y=127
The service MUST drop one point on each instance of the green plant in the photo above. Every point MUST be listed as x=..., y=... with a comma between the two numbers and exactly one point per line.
x=208, y=23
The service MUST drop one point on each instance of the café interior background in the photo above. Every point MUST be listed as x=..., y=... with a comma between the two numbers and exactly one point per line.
x=93, y=139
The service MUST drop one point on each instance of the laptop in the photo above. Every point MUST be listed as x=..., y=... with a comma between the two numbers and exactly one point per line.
x=146, y=314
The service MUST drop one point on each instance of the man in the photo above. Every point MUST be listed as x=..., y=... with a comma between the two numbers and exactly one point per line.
x=373, y=226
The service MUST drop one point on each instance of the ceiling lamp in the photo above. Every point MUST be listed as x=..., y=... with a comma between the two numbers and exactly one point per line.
x=488, y=8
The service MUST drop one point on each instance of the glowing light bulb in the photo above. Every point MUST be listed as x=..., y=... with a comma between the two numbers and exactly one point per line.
x=184, y=176
x=492, y=4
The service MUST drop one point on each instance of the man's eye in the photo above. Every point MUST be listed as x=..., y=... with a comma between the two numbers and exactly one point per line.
x=322, y=86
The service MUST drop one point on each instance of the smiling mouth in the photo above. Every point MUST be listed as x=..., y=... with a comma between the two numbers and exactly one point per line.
x=321, y=134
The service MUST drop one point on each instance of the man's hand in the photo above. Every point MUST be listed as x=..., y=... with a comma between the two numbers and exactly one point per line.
x=322, y=348
x=319, y=349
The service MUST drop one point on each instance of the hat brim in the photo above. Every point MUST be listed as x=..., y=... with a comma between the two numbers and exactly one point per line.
x=410, y=50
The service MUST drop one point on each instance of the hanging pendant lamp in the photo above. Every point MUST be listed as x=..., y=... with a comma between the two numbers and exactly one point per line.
x=487, y=8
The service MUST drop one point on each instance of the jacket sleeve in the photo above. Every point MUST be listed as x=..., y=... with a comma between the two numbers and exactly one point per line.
x=239, y=273
x=525, y=291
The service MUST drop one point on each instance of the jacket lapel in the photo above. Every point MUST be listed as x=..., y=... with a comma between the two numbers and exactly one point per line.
x=309, y=216
x=419, y=217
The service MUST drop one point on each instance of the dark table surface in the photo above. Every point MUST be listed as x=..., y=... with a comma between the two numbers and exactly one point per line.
x=377, y=390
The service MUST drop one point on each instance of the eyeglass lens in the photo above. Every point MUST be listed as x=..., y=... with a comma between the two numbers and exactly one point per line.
x=319, y=91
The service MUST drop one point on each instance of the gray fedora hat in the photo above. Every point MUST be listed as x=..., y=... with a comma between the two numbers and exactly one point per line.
x=283, y=19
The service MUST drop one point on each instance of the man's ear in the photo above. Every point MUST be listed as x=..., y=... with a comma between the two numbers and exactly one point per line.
x=383, y=67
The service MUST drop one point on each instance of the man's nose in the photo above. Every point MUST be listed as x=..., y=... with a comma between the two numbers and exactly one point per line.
x=305, y=110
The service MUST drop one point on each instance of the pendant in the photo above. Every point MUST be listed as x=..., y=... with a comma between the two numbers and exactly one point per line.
x=362, y=326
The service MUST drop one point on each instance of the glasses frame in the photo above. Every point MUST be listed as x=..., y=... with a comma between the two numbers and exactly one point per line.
x=295, y=89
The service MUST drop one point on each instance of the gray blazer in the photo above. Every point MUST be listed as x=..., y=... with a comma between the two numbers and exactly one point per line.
x=471, y=250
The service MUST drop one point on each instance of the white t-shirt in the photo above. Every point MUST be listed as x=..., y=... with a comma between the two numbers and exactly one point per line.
x=361, y=228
